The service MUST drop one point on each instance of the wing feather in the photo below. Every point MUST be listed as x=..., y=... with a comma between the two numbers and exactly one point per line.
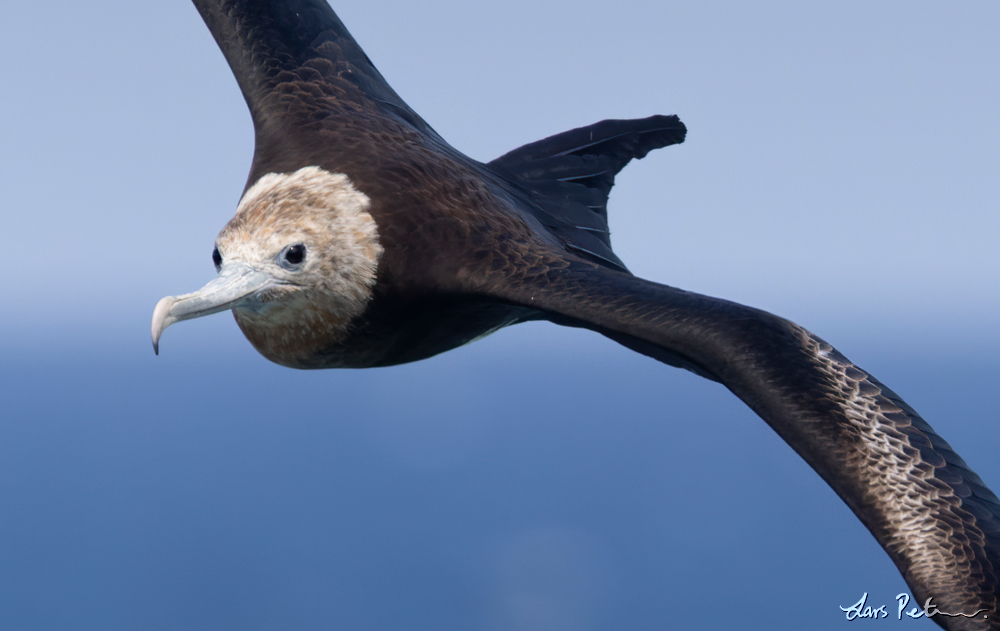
x=932, y=514
x=314, y=95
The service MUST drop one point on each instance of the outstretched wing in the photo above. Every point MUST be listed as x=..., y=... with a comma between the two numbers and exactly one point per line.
x=311, y=90
x=569, y=176
x=931, y=513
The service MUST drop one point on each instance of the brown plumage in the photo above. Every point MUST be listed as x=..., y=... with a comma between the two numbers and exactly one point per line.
x=364, y=239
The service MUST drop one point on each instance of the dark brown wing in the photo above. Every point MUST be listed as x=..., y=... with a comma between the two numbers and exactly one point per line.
x=933, y=515
x=300, y=72
x=566, y=178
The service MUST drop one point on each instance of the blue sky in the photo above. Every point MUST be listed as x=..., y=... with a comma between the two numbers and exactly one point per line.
x=840, y=170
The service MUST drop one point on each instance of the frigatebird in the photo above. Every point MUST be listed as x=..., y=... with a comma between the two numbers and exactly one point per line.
x=364, y=239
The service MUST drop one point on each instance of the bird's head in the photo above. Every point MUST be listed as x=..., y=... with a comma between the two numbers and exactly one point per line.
x=296, y=264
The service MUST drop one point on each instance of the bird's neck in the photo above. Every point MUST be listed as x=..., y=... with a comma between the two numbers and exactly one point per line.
x=293, y=341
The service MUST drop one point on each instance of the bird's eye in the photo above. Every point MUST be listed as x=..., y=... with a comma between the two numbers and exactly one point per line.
x=292, y=256
x=217, y=258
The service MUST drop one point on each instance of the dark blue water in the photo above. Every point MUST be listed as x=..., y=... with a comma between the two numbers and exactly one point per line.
x=491, y=488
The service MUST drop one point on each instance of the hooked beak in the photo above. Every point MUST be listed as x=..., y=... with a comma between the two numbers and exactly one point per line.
x=236, y=285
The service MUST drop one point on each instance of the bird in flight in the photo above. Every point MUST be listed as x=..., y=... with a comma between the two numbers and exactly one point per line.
x=364, y=239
